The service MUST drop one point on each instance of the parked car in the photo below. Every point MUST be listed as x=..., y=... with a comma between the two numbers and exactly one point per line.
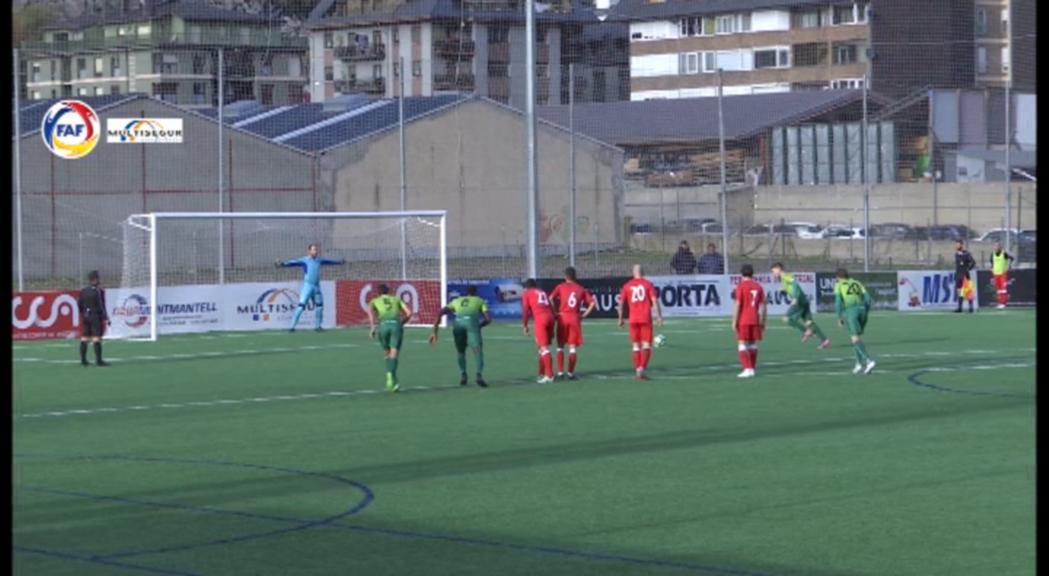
x=806, y=230
x=892, y=231
x=1027, y=235
x=766, y=229
x=640, y=228
x=949, y=232
x=711, y=228
x=997, y=235
x=695, y=224
x=839, y=231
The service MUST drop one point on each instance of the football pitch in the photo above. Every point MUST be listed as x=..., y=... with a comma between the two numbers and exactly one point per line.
x=282, y=454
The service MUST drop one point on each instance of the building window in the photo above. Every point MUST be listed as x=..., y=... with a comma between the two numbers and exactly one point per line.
x=981, y=60
x=200, y=92
x=771, y=58
x=809, y=19
x=417, y=68
x=396, y=69
x=165, y=63
x=100, y=67
x=377, y=71
x=81, y=67
x=99, y=91
x=847, y=84
x=710, y=62
x=36, y=72
x=81, y=91
x=114, y=89
x=688, y=63
x=377, y=38
x=267, y=94
x=1005, y=22
x=36, y=95
x=498, y=35
x=329, y=40
x=394, y=36
x=329, y=73
x=542, y=71
x=849, y=14
x=123, y=30
x=200, y=63
x=144, y=30
x=417, y=34
x=846, y=54
x=814, y=54
x=981, y=22
x=114, y=65
x=1005, y=59
x=498, y=70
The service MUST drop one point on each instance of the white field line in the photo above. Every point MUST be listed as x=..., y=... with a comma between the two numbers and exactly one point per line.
x=518, y=381
x=195, y=356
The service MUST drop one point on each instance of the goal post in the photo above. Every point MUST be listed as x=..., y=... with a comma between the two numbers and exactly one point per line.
x=186, y=272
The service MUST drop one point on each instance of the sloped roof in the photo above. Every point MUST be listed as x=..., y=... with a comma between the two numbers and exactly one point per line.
x=192, y=10
x=418, y=10
x=633, y=10
x=31, y=114
x=696, y=119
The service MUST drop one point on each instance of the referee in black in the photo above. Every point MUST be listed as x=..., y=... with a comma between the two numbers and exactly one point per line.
x=963, y=264
x=93, y=314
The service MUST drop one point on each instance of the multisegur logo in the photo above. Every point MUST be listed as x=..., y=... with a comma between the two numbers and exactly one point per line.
x=274, y=304
x=70, y=129
x=144, y=130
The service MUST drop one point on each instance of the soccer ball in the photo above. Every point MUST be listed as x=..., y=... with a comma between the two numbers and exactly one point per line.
x=659, y=340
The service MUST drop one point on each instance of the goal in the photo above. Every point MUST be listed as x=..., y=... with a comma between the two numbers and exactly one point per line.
x=187, y=272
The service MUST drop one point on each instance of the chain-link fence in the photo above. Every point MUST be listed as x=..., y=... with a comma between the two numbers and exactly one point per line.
x=832, y=142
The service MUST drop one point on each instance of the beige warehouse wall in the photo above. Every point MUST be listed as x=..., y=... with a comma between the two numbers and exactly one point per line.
x=471, y=162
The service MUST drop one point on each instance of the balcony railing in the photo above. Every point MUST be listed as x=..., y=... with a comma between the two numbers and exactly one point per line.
x=370, y=86
x=453, y=46
x=453, y=82
x=262, y=39
x=361, y=53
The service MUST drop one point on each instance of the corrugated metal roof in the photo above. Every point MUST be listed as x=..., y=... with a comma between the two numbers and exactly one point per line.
x=696, y=119
x=632, y=10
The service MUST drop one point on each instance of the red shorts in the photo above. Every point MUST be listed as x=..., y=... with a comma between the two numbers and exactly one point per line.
x=641, y=332
x=1001, y=282
x=570, y=332
x=544, y=331
x=748, y=333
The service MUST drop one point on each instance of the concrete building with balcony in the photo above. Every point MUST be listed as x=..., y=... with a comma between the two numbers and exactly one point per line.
x=470, y=46
x=762, y=46
x=169, y=50
x=1005, y=36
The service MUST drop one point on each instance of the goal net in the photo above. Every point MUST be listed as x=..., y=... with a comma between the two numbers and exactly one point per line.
x=202, y=272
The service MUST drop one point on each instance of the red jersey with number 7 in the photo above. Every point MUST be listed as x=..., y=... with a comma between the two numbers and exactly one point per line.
x=637, y=293
x=751, y=295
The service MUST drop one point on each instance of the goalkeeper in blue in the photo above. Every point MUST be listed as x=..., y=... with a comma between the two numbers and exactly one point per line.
x=311, y=283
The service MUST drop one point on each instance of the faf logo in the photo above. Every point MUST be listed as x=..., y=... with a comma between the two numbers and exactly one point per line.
x=135, y=311
x=70, y=129
x=144, y=130
x=274, y=304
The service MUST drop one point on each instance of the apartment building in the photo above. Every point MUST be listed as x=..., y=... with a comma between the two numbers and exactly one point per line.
x=1004, y=38
x=167, y=49
x=470, y=46
x=763, y=46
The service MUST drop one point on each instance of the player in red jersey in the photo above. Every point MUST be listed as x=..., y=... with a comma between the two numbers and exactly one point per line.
x=748, y=319
x=568, y=299
x=640, y=295
x=536, y=303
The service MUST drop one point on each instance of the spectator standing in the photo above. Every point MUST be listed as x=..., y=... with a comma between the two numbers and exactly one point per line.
x=711, y=262
x=684, y=261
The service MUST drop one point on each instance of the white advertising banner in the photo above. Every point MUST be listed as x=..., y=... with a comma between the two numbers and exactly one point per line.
x=270, y=306
x=774, y=294
x=930, y=290
x=182, y=309
x=693, y=295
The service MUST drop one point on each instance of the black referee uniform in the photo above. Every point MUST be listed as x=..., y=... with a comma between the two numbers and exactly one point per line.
x=93, y=318
x=963, y=264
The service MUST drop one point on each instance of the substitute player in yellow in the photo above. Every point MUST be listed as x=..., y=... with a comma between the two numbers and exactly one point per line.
x=852, y=303
x=392, y=314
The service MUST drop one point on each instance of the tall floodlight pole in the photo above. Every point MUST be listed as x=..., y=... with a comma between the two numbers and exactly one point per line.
x=1008, y=139
x=571, y=129
x=404, y=178
x=866, y=174
x=533, y=174
x=18, y=173
x=222, y=207
x=724, y=185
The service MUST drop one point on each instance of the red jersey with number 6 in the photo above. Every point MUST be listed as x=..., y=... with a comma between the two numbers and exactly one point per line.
x=572, y=299
x=751, y=295
x=637, y=293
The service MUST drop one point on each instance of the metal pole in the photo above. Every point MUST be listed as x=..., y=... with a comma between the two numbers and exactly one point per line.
x=932, y=166
x=866, y=177
x=571, y=129
x=18, y=173
x=404, y=177
x=533, y=174
x=222, y=240
x=1008, y=159
x=724, y=189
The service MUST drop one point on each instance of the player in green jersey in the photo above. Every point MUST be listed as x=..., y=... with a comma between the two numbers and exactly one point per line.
x=799, y=315
x=392, y=314
x=471, y=314
x=852, y=303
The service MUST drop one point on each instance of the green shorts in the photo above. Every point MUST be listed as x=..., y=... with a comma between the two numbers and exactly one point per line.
x=855, y=320
x=465, y=336
x=800, y=311
x=391, y=334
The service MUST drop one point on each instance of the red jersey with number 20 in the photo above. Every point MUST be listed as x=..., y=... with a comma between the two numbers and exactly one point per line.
x=572, y=300
x=751, y=295
x=535, y=303
x=637, y=294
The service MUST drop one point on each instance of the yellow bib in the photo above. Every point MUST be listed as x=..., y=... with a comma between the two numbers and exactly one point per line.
x=999, y=265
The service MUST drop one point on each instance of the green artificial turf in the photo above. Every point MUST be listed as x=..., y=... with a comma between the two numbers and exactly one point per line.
x=276, y=453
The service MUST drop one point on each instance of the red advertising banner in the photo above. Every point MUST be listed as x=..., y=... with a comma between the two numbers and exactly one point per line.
x=352, y=297
x=44, y=315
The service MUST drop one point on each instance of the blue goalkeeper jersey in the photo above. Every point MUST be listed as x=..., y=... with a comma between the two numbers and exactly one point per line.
x=312, y=266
